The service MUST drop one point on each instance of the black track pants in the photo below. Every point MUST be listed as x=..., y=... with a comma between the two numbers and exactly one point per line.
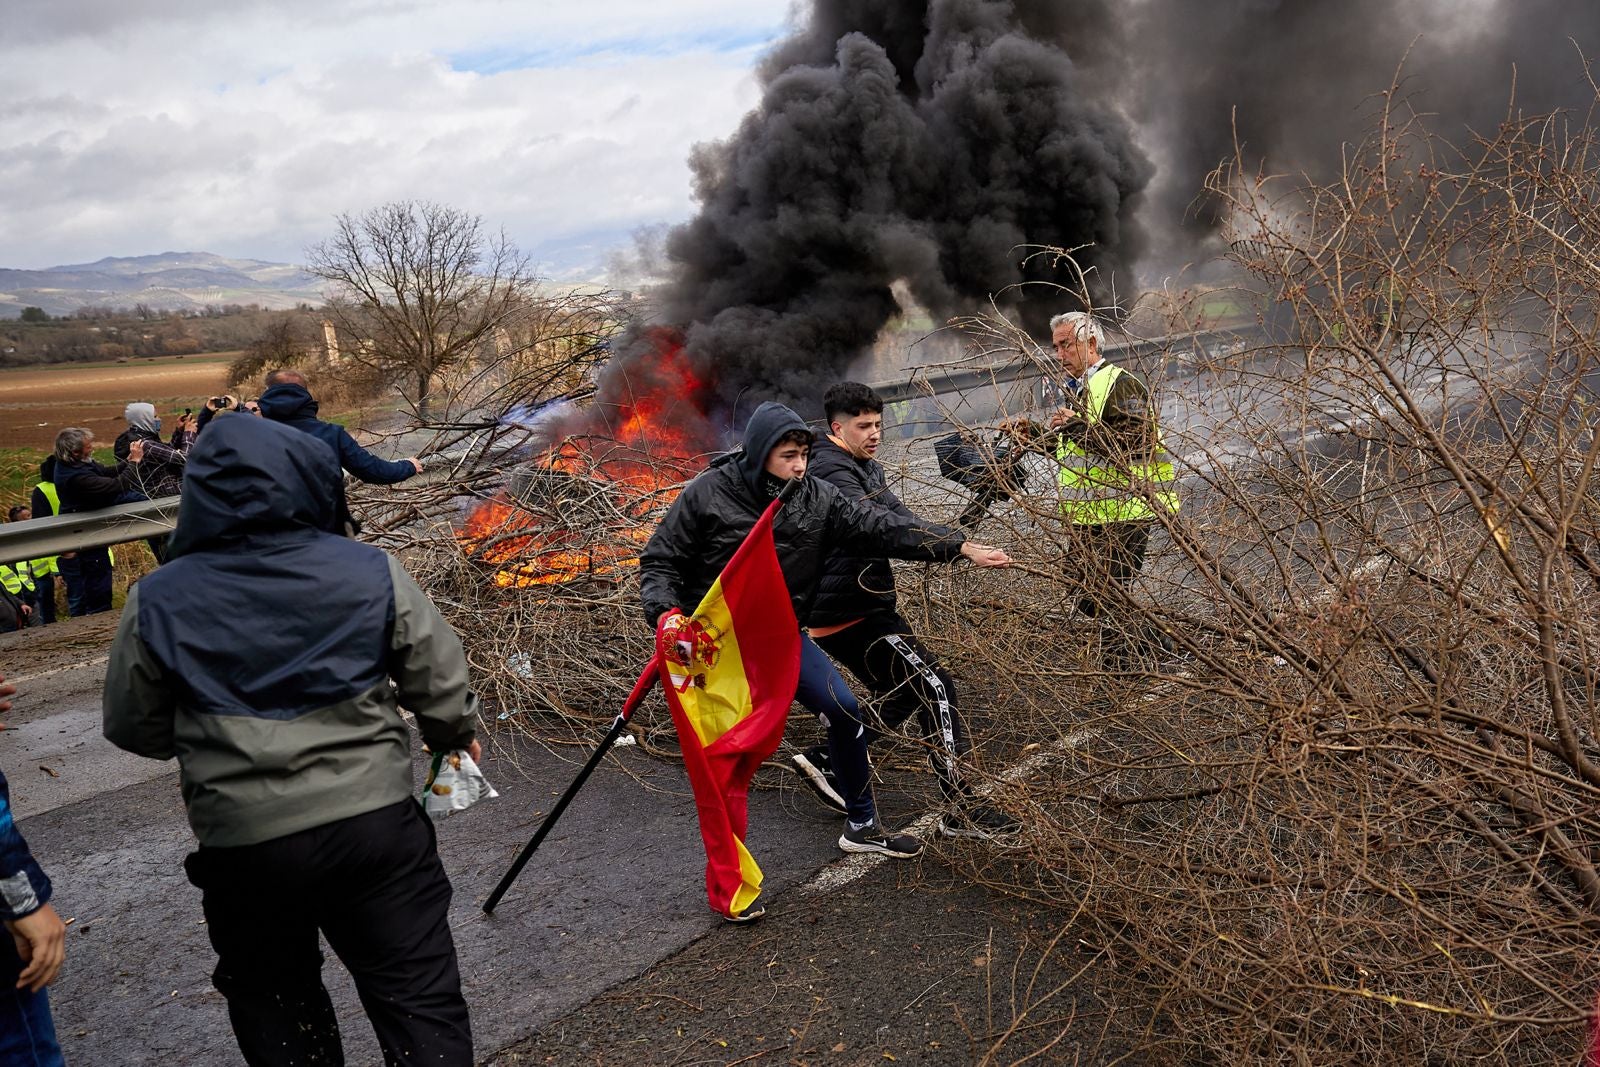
x=374, y=886
x=905, y=679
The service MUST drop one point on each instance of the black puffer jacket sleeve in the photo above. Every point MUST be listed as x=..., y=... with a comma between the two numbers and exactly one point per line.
x=865, y=530
x=662, y=564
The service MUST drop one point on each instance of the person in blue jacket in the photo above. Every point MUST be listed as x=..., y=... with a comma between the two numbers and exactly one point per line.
x=31, y=957
x=287, y=400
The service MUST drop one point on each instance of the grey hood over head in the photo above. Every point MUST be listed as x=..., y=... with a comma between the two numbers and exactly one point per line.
x=142, y=417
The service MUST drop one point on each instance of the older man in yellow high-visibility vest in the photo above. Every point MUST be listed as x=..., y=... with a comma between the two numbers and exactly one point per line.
x=1115, y=479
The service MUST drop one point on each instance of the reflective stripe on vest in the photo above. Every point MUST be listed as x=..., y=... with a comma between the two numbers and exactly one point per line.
x=1092, y=494
x=17, y=580
x=47, y=564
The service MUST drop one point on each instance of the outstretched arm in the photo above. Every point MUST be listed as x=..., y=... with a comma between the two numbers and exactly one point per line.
x=369, y=468
x=661, y=578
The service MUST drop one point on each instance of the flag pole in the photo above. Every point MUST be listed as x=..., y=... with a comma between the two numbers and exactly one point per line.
x=646, y=680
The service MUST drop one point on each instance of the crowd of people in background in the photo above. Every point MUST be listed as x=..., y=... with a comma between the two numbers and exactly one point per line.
x=146, y=467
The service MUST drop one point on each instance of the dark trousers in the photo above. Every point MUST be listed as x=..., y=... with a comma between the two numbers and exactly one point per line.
x=823, y=691
x=88, y=577
x=906, y=680
x=72, y=578
x=1111, y=556
x=44, y=587
x=373, y=885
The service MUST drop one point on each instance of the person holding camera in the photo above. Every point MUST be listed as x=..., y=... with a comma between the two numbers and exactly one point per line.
x=855, y=621
x=84, y=485
x=1115, y=478
x=160, y=467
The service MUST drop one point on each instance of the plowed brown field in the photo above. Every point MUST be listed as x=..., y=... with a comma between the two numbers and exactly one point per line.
x=36, y=402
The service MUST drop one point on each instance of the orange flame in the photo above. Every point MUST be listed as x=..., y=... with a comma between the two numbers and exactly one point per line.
x=652, y=445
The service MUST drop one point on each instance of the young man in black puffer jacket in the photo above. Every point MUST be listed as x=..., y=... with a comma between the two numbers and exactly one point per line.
x=708, y=522
x=854, y=620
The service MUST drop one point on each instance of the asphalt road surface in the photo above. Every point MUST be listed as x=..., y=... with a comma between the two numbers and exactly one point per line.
x=616, y=888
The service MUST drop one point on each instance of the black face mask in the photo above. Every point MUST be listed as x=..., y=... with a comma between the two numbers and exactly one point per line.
x=772, y=485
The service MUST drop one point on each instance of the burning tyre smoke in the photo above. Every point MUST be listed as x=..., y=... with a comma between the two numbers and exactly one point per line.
x=921, y=143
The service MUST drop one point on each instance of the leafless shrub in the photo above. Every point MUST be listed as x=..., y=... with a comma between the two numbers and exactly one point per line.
x=1360, y=826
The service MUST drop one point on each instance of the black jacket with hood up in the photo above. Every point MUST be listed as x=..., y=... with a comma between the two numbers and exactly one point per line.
x=710, y=518
x=853, y=587
x=271, y=655
x=292, y=405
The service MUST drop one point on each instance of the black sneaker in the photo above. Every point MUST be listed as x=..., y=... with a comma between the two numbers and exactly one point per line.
x=873, y=838
x=978, y=822
x=750, y=914
x=816, y=771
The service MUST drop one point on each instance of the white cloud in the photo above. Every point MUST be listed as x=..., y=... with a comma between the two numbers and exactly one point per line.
x=136, y=128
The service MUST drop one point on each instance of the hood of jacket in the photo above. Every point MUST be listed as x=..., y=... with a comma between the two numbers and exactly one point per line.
x=47, y=469
x=285, y=403
x=769, y=422
x=247, y=477
x=142, y=417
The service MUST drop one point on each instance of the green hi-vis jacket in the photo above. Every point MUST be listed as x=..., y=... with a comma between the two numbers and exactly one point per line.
x=1114, y=467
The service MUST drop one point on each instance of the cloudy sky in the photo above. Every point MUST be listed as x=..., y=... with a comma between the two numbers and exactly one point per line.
x=138, y=126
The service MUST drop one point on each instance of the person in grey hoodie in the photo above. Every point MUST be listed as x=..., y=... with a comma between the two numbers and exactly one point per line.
x=295, y=764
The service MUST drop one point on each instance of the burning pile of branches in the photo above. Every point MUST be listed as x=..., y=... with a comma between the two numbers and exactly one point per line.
x=528, y=523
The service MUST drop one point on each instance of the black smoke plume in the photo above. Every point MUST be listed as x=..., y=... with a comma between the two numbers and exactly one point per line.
x=922, y=143
x=930, y=142
x=1294, y=80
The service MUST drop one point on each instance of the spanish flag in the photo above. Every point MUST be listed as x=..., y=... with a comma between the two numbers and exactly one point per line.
x=729, y=672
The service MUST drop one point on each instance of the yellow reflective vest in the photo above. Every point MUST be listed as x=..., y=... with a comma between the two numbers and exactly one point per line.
x=46, y=565
x=1092, y=494
x=16, y=579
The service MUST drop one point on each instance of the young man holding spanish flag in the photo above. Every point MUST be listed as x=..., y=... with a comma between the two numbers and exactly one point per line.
x=731, y=661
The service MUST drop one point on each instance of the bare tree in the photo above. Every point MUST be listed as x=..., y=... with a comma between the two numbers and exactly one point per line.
x=420, y=288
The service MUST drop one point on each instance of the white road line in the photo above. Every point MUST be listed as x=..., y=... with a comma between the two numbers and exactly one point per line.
x=98, y=661
x=842, y=872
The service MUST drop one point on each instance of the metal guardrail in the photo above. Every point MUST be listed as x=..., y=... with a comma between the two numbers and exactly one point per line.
x=152, y=518
x=962, y=379
x=87, y=529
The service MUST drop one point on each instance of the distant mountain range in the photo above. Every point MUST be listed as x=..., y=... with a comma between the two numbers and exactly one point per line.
x=183, y=281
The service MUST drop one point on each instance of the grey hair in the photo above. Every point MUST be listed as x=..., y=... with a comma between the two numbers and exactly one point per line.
x=285, y=376
x=70, y=442
x=1085, y=327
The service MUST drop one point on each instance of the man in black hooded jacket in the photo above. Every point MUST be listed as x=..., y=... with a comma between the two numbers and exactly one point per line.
x=710, y=519
x=854, y=620
x=283, y=712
